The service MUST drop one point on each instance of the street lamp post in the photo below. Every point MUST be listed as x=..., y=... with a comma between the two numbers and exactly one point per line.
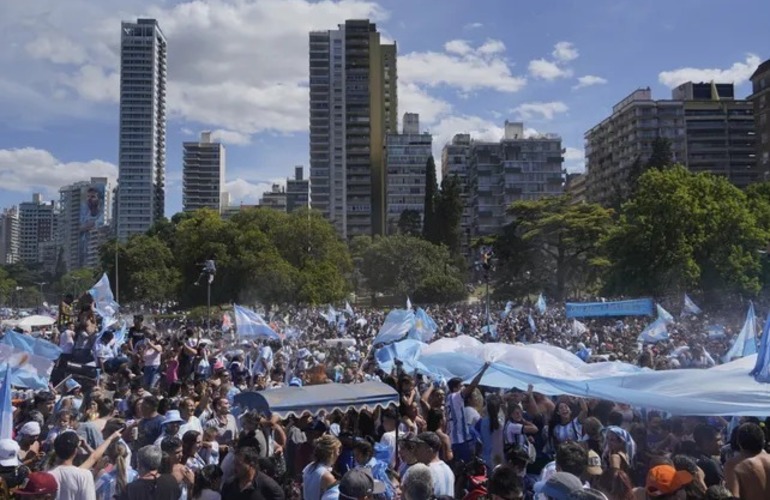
x=41, y=284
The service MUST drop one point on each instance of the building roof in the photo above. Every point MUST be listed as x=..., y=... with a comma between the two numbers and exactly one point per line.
x=761, y=69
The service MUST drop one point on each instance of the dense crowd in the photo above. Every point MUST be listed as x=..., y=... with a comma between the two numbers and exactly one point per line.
x=159, y=418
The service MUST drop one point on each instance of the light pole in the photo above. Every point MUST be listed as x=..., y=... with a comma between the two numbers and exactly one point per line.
x=41, y=284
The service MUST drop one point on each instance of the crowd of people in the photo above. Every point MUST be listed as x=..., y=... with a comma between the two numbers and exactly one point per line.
x=160, y=419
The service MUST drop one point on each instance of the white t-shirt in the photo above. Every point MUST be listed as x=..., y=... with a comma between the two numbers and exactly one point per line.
x=74, y=483
x=443, y=479
x=458, y=426
x=67, y=341
x=151, y=356
x=471, y=416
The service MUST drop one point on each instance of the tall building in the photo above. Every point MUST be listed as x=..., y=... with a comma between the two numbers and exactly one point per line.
x=353, y=105
x=9, y=236
x=709, y=131
x=612, y=146
x=575, y=188
x=297, y=190
x=454, y=161
x=37, y=225
x=514, y=169
x=84, y=216
x=203, y=174
x=275, y=198
x=142, y=154
x=406, y=157
x=719, y=132
x=760, y=98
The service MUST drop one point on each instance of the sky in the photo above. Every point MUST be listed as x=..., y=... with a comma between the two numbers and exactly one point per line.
x=239, y=68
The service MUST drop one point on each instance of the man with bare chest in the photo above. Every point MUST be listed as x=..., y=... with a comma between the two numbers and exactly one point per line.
x=748, y=477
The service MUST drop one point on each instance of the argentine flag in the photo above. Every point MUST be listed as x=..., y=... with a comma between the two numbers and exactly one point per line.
x=540, y=304
x=690, y=307
x=654, y=333
x=249, y=324
x=6, y=406
x=397, y=325
x=664, y=315
x=104, y=300
x=746, y=342
x=424, y=326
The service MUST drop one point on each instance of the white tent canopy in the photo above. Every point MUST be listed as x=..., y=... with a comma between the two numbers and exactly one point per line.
x=35, y=321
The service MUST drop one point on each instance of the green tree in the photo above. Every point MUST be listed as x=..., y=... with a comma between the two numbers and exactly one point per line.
x=405, y=265
x=76, y=282
x=7, y=287
x=147, y=269
x=661, y=156
x=410, y=223
x=449, y=211
x=685, y=231
x=560, y=241
x=429, y=212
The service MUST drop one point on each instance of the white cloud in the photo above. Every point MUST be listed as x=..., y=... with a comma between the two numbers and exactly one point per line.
x=738, y=73
x=413, y=99
x=565, y=52
x=220, y=74
x=245, y=192
x=473, y=26
x=589, y=80
x=461, y=66
x=574, y=160
x=448, y=126
x=31, y=169
x=492, y=47
x=230, y=137
x=547, y=70
x=544, y=110
x=460, y=47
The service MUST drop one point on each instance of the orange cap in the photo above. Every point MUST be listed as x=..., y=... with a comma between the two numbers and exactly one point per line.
x=664, y=480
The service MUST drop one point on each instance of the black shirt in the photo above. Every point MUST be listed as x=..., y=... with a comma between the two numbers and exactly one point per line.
x=164, y=487
x=136, y=335
x=263, y=488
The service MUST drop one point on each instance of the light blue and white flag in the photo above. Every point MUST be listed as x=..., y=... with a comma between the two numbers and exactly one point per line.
x=104, y=300
x=397, y=324
x=746, y=342
x=578, y=328
x=6, y=406
x=531, y=323
x=654, y=332
x=716, y=332
x=250, y=325
x=424, y=327
x=761, y=371
x=330, y=316
x=27, y=369
x=348, y=309
x=292, y=333
x=540, y=305
x=408, y=304
x=690, y=307
x=507, y=310
x=31, y=345
x=491, y=330
x=664, y=315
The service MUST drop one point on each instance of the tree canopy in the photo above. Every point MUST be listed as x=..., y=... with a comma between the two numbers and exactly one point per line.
x=551, y=245
x=685, y=231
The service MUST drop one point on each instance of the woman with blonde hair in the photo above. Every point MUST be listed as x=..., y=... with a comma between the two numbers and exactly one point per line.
x=317, y=476
x=113, y=483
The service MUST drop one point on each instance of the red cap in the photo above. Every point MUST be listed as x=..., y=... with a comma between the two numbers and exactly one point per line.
x=39, y=483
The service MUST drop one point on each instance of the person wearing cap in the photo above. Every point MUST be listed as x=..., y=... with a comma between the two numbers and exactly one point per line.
x=39, y=486
x=463, y=444
x=427, y=452
x=359, y=484
x=559, y=486
x=665, y=482
x=171, y=424
x=28, y=436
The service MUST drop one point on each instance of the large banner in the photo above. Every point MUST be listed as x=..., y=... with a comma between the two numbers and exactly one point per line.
x=92, y=199
x=636, y=307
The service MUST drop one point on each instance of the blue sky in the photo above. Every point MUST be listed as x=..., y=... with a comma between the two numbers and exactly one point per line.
x=239, y=67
